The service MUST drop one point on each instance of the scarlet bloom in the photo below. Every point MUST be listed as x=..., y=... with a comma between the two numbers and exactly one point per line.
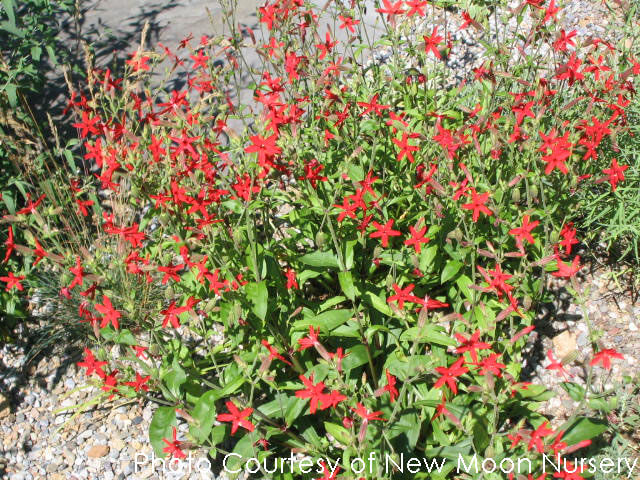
x=605, y=356
x=615, y=173
x=404, y=295
x=471, y=344
x=264, y=147
x=417, y=238
x=291, y=279
x=477, y=204
x=173, y=446
x=366, y=416
x=273, y=353
x=537, y=435
x=91, y=364
x=567, y=271
x=491, y=364
x=391, y=9
x=524, y=232
x=236, y=417
x=10, y=244
x=312, y=392
x=110, y=314
x=311, y=340
x=348, y=23
x=432, y=41
x=450, y=374
x=384, y=232
x=391, y=386
x=556, y=365
x=140, y=383
x=12, y=281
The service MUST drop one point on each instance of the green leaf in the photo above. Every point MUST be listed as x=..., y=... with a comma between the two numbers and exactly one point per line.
x=463, y=283
x=338, y=432
x=35, y=53
x=376, y=302
x=574, y=390
x=11, y=94
x=174, y=378
x=258, y=295
x=163, y=419
x=428, y=334
x=245, y=448
x=450, y=269
x=204, y=414
x=327, y=321
x=409, y=424
x=346, y=283
x=354, y=357
x=583, y=429
x=321, y=259
x=9, y=7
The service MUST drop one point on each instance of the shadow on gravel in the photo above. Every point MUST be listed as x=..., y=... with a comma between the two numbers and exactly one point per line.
x=109, y=47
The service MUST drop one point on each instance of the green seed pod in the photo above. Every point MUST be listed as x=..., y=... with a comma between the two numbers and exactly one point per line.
x=515, y=195
x=534, y=191
x=209, y=306
x=321, y=239
x=169, y=293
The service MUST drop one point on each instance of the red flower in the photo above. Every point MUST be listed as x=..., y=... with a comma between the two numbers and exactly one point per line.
x=373, y=106
x=366, y=416
x=348, y=23
x=88, y=125
x=312, y=392
x=139, y=383
x=537, y=436
x=264, y=147
x=615, y=173
x=471, y=344
x=331, y=399
x=13, y=282
x=391, y=386
x=326, y=47
x=449, y=375
x=560, y=151
x=417, y=238
x=111, y=315
x=109, y=383
x=556, y=365
x=326, y=473
x=391, y=9
x=10, y=245
x=605, y=356
x=91, y=364
x=524, y=232
x=273, y=353
x=236, y=417
x=309, y=341
x=477, y=204
x=567, y=271
x=78, y=273
x=405, y=149
x=432, y=41
x=416, y=7
x=291, y=278
x=173, y=446
x=404, y=295
x=384, y=232
x=490, y=364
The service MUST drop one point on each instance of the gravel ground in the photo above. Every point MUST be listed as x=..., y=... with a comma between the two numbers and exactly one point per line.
x=110, y=441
